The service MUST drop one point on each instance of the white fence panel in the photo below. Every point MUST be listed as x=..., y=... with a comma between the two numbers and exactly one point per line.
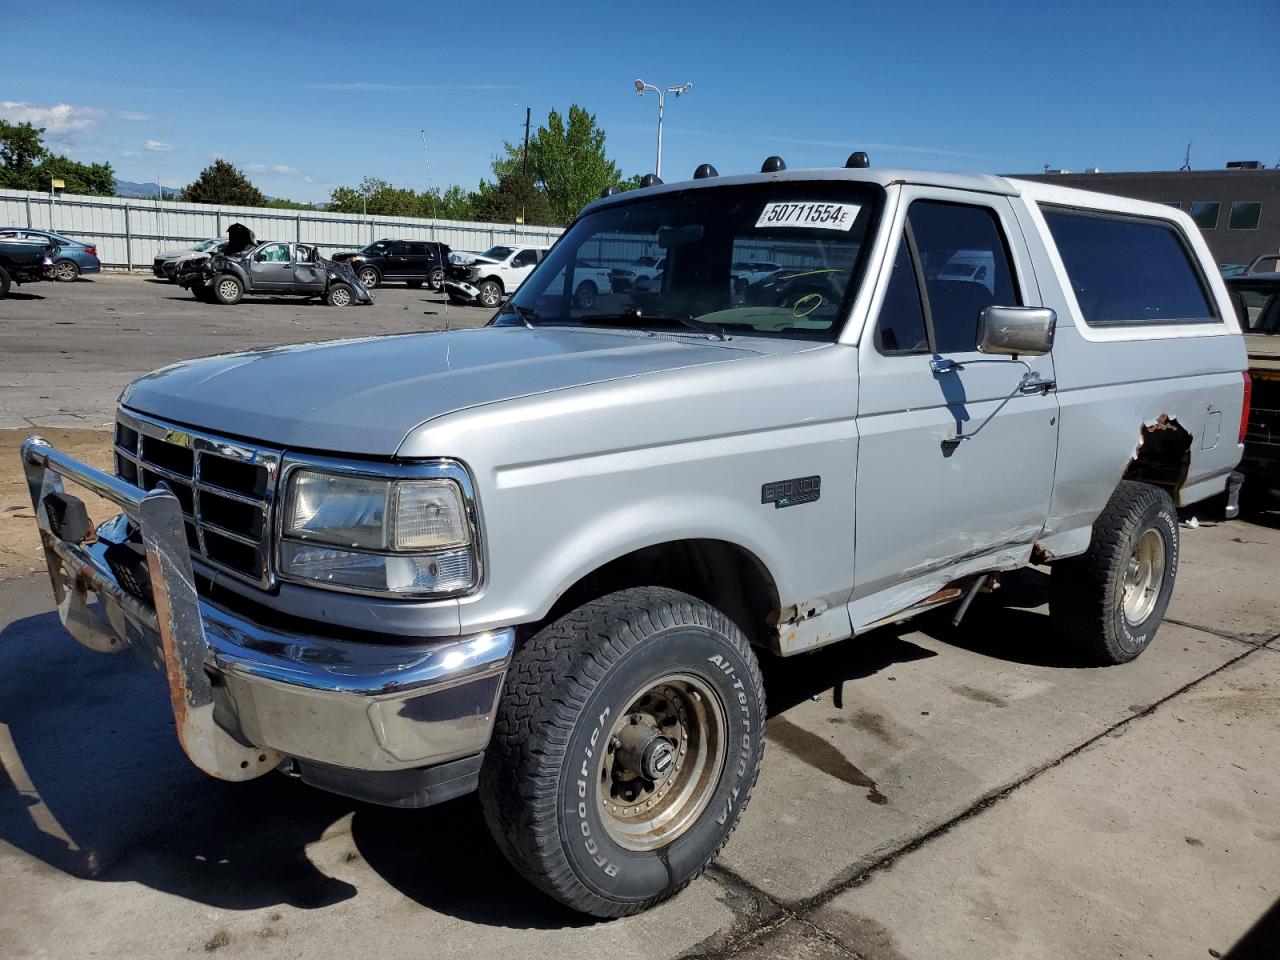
x=130, y=232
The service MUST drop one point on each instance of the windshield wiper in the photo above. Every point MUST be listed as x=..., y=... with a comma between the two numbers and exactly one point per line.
x=693, y=323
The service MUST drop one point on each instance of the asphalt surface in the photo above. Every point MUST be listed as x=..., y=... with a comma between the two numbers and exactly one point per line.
x=66, y=349
x=926, y=792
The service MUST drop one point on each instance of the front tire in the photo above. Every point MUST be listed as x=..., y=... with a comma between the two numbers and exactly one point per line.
x=626, y=744
x=66, y=271
x=228, y=289
x=489, y=293
x=585, y=296
x=339, y=295
x=369, y=277
x=1110, y=601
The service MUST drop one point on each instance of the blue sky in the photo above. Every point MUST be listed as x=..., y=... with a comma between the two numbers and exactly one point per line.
x=314, y=95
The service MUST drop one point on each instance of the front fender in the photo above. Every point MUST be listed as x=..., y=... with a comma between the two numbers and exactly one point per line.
x=579, y=550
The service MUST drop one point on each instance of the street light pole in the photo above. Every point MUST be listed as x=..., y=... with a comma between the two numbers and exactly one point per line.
x=641, y=88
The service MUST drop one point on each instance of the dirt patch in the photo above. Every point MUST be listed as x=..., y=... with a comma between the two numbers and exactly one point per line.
x=20, y=552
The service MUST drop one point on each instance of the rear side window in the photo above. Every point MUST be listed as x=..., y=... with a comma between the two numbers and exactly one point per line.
x=1127, y=271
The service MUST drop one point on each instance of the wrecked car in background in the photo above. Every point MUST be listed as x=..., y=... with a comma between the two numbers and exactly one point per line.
x=246, y=267
x=539, y=559
x=488, y=277
x=23, y=261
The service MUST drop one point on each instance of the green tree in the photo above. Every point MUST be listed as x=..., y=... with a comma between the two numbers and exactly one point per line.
x=223, y=182
x=452, y=203
x=282, y=203
x=377, y=198
x=631, y=183
x=567, y=161
x=514, y=196
x=27, y=164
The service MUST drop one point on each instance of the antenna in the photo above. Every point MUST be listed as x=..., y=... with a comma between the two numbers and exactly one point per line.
x=435, y=227
x=1186, y=160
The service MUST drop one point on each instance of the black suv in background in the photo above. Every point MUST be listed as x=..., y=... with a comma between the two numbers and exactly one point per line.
x=414, y=262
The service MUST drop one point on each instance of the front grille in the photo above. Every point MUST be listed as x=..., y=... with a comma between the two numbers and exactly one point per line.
x=226, y=489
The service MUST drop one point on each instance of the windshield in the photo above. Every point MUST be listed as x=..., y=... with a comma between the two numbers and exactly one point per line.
x=801, y=242
x=497, y=253
x=208, y=244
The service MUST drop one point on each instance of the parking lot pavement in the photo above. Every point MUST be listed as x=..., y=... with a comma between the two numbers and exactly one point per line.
x=67, y=349
x=926, y=793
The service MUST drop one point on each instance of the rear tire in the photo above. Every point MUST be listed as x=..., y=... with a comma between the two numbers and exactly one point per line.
x=66, y=271
x=626, y=743
x=1110, y=601
x=227, y=289
x=435, y=280
x=339, y=295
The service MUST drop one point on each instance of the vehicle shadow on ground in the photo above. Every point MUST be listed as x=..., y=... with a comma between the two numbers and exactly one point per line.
x=1010, y=623
x=93, y=783
x=17, y=295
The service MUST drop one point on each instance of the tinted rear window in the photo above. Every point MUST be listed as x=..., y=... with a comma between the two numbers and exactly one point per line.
x=1129, y=271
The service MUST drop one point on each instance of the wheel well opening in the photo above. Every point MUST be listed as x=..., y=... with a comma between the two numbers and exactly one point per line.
x=722, y=574
x=1163, y=455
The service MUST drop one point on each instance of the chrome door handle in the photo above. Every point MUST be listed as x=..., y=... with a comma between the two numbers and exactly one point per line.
x=1038, y=384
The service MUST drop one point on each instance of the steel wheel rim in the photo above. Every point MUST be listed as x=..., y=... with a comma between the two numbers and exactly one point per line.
x=642, y=812
x=227, y=289
x=340, y=297
x=1143, y=577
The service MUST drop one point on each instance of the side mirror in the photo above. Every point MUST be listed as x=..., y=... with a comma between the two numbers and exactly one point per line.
x=1015, y=330
x=260, y=257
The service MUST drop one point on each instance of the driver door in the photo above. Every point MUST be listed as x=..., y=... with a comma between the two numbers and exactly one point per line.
x=271, y=268
x=956, y=458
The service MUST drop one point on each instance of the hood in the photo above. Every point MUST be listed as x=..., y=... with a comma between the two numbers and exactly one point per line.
x=174, y=253
x=364, y=396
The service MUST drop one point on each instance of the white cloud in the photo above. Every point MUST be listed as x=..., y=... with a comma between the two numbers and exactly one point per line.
x=283, y=168
x=133, y=115
x=58, y=120
x=130, y=153
x=256, y=167
x=156, y=146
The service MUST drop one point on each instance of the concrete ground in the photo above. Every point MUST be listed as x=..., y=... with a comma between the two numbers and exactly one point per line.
x=926, y=792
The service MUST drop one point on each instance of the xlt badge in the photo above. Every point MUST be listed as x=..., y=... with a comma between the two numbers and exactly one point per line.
x=789, y=493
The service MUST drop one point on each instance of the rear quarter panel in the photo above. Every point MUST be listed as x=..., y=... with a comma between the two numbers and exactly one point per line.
x=1114, y=381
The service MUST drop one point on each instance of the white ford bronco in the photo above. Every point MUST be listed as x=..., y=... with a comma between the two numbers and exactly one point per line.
x=542, y=558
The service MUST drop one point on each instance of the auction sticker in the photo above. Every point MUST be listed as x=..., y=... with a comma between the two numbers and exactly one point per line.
x=821, y=216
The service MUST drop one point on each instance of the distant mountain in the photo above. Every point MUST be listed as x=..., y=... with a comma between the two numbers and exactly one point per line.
x=127, y=188
x=147, y=191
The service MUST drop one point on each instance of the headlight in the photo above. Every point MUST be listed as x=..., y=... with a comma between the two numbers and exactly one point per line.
x=409, y=537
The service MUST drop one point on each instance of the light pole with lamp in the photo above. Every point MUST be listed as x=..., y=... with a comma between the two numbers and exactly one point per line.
x=641, y=88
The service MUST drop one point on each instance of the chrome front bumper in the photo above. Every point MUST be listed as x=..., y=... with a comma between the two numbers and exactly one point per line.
x=245, y=697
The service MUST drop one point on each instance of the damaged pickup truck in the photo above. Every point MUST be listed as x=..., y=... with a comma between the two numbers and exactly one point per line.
x=245, y=267
x=541, y=559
